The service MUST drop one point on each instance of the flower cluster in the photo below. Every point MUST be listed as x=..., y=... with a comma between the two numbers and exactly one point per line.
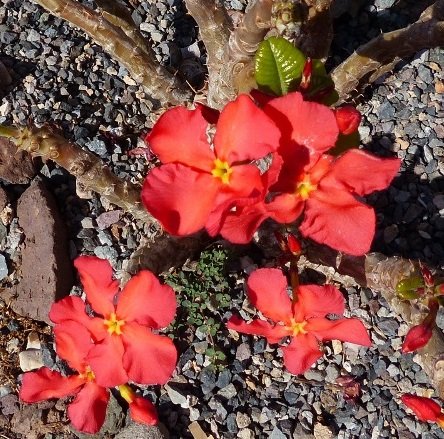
x=109, y=348
x=210, y=178
x=303, y=319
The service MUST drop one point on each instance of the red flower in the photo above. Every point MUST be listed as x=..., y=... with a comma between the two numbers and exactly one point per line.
x=424, y=408
x=87, y=411
x=196, y=177
x=304, y=320
x=324, y=188
x=126, y=348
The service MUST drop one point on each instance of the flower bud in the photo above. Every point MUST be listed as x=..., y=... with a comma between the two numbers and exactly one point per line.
x=294, y=245
x=427, y=275
x=410, y=284
x=306, y=74
x=348, y=119
x=417, y=337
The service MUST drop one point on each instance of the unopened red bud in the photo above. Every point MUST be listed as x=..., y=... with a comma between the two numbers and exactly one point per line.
x=294, y=245
x=348, y=119
x=416, y=338
x=427, y=275
x=306, y=74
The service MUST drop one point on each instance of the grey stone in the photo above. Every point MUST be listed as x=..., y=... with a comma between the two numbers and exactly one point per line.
x=3, y=267
x=243, y=352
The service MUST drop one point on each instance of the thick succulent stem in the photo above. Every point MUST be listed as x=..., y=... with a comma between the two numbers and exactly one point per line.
x=158, y=82
x=230, y=52
x=91, y=173
x=214, y=27
x=381, y=54
x=381, y=274
x=118, y=15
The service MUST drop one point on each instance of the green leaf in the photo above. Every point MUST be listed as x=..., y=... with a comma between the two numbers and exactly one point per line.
x=278, y=66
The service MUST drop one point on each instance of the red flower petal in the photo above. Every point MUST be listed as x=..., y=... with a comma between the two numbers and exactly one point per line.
x=307, y=123
x=417, y=337
x=301, y=353
x=350, y=330
x=87, y=411
x=317, y=301
x=285, y=208
x=240, y=225
x=143, y=411
x=244, y=132
x=180, y=135
x=149, y=358
x=98, y=284
x=363, y=173
x=145, y=301
x=273, y=333
x=73, y=342
x=69, y=308
x=106, y=361
x=72, y=308
x=47, y=384
x=245, y=181
x=335, y=218
x=267, y=290
x=424, y=408
x=180, y=197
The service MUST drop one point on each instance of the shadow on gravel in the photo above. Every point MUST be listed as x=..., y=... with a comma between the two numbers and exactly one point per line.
x=409, y=223
x=360, y=25
x=17, y=70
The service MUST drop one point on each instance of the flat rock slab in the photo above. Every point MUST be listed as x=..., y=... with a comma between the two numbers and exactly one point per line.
x=46, y=268
x=139, y=431
x=15, y=166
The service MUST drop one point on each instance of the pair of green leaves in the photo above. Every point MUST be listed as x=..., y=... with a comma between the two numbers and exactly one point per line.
x=279, y=67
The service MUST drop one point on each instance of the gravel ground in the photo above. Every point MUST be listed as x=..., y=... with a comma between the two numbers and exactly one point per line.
x=60, y=77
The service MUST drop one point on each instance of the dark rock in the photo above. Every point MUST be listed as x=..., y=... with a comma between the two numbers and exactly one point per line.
x=208, y=378
x=15, y=166
x=46, y=267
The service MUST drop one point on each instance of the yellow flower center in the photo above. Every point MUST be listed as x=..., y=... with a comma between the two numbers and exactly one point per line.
x=296, y=327
x=222, y=170
x=88, y=375
x=114, y=325
x=304, y=187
